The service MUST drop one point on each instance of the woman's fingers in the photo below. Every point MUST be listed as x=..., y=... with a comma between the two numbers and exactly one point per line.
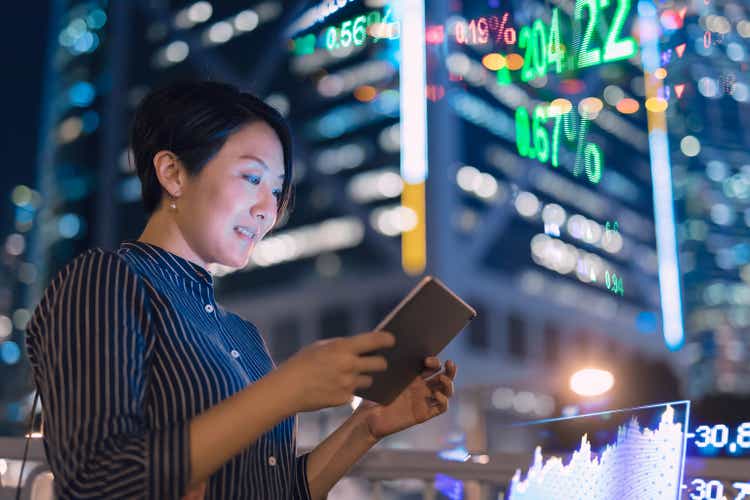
x=371, y=364
x=440, y=402
x=441, y=383
x=431, y=367
x=363, y=381
x=451, y=369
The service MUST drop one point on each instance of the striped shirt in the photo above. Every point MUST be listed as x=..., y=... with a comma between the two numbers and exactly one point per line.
x=125, y=348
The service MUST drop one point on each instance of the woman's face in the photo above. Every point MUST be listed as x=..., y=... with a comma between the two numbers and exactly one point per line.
x=232, y=204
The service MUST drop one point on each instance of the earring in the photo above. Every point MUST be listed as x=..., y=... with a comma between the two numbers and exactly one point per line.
x=173, y=206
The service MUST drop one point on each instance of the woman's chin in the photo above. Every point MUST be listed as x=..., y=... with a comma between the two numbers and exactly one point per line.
x=240, y=259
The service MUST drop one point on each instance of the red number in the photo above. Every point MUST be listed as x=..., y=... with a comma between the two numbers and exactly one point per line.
x=484, y=30
x=460, y=33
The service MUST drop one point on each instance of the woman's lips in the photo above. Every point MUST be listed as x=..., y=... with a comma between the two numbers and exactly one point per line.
x=244, y=232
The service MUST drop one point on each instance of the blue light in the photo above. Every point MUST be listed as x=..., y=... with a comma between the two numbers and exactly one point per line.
x=24, y=215
x=10, y=353
x=387, y=103
x=69, y=225
x=83, y=43
x=661, y=177
x=87, y=42
x=457, y=454
x=130, y=189
x=450, y=487
x=741, y=253
x=96, y=19
x=81, y=94
x=646, y=322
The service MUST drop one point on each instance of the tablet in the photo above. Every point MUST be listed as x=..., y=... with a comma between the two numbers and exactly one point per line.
x=423, y=323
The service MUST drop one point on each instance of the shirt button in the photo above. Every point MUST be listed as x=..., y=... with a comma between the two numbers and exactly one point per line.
x=272, y=461
x=209, y=308
x=235, y=353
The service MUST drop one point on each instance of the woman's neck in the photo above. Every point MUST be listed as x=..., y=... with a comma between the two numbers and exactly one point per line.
x=162, y=230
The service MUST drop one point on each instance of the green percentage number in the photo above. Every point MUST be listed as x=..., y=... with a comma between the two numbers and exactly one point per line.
x=533, y=140
x=612, y=226
x=543, y=46
x=354, y=31
x=614, y=283
x=615, y=47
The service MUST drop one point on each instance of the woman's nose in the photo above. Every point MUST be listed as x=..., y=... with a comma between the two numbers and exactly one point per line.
x=265, y=206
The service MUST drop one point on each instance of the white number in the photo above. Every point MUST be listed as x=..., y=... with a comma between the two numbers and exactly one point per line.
x=743, y=490
x=719, y=435
x=700, y=491
x=346, y=33
x=360, y=35
x=743, y=435
x=704, y=432
x=715, y=490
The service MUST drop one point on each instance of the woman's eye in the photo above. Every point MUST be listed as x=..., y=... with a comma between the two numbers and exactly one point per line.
x=254, y=179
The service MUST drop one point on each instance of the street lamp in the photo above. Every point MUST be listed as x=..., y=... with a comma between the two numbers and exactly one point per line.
x=591, y=382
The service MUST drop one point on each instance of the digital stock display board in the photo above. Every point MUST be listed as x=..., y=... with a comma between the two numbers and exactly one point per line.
x=554, y=103
x=646, y=452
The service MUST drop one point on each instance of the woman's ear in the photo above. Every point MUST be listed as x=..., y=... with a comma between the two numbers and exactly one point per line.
x=170, y=172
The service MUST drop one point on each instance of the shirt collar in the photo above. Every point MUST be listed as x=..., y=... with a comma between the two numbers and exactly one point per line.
x=170, y=261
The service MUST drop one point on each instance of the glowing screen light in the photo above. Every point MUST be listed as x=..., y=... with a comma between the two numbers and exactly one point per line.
x=625, y=455
x=591, y=382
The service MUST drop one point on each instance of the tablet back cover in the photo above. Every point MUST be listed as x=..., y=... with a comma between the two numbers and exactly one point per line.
x=423, y=324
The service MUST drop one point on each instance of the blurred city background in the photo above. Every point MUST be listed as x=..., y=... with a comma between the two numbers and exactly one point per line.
x=583, y=183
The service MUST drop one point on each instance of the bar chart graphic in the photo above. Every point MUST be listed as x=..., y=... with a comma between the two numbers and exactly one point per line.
x=637, y=462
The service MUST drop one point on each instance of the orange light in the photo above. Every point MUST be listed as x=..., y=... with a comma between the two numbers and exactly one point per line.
x=493, y=62
x=514, y=62
x=628, y=106
x=660, y=73
x=590, y=107
x=656, y=104
x=559, y=107
x=365, y=93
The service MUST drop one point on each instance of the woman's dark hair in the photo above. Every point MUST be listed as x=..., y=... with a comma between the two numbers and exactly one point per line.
x=194, y=120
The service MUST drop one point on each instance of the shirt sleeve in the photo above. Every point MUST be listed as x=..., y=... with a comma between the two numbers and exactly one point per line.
x=88, y=344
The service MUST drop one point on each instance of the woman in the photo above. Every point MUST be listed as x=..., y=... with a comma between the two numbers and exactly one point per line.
x=149, y=388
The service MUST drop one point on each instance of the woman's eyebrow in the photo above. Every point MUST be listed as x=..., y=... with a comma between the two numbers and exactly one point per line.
x=259, y=160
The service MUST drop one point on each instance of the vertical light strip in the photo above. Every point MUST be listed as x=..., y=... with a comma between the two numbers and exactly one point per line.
x=414, y=241
x=413, y=81
x=661, y=175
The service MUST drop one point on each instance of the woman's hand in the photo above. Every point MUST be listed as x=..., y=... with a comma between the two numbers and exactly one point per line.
x=327, y=372
x=420, y=401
